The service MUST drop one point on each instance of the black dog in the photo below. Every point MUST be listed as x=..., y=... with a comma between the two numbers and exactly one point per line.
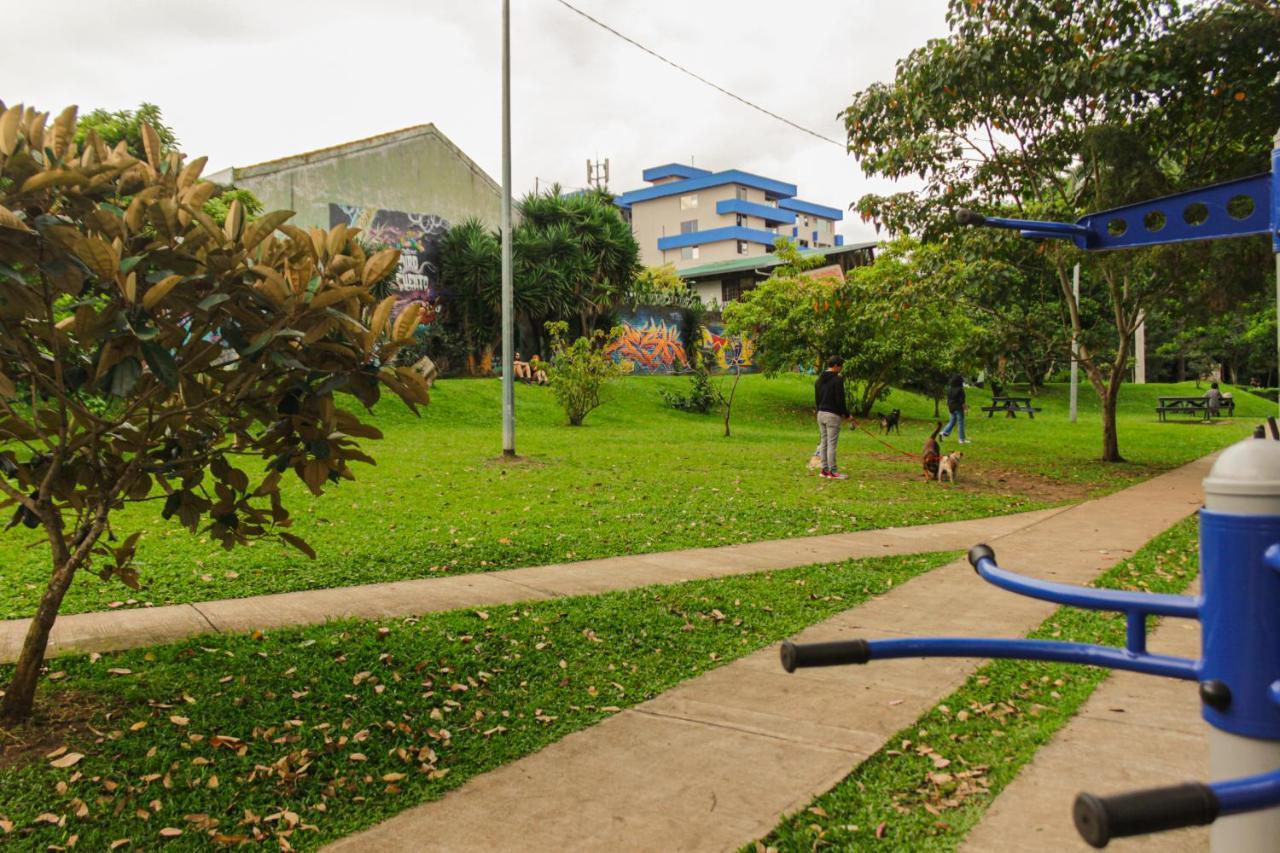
x=890, y=422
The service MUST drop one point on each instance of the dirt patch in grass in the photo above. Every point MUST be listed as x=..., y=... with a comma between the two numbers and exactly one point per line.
x=63, y=718
x=985, y=479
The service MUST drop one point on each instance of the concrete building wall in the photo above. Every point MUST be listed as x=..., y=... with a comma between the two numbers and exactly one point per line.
x=417, y=170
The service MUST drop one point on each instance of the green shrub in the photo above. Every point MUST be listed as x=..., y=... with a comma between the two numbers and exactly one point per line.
x=701, y=398
x=579, y=370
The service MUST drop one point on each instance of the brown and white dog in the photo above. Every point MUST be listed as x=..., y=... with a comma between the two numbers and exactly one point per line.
x=949, y=465
x=932, y=454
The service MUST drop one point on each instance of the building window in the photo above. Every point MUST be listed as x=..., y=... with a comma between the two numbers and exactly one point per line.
x=742, y=193
x=689, y=202
x=804, y=244
x=742, y=220
x=733, y=288
x=689, y=253
x=742, y=247
x=689, y=226
x=805, y=221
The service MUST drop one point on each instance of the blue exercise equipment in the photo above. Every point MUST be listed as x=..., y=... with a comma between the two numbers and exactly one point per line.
x=1238, y=671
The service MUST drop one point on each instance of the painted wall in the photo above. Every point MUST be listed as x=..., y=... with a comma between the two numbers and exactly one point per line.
x=651, y=341
x=417, y=169
x=416, y=235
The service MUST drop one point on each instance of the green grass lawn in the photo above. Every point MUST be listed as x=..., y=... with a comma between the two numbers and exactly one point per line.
x=637, y=478
x=933, y=781
x=314, y=733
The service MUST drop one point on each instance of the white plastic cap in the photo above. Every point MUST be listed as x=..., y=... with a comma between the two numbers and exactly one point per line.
x=1245, y=479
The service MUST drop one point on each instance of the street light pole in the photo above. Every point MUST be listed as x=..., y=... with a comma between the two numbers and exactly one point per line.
x=508, y=323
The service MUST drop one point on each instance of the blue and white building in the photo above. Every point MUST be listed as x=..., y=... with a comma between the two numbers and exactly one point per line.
x=689, y=216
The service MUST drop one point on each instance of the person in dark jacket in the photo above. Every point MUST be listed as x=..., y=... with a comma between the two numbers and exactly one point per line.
x=955, y=405
x=828, y=397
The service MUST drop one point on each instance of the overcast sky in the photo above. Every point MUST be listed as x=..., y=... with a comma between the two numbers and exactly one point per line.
x=250, y=80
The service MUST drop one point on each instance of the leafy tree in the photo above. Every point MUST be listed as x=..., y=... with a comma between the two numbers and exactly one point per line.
x=220, y=351
x=219, y=205
x=887, y=320
x=572, y=257
x=582, y=245
x=1052, y=109
x=663, y=287
x=580, y=369
x=126, y=126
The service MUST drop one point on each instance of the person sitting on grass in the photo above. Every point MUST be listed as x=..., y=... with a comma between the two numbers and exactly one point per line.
x=537, y=370
x=520, y=369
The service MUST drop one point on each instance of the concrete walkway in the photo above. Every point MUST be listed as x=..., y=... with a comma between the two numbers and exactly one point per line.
x=1135, y=731
x=125, y=629
x=714, y=763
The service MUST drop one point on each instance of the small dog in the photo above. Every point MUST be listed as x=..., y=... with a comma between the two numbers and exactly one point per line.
x=932, y=454
x=949, y=465
x=890, y=422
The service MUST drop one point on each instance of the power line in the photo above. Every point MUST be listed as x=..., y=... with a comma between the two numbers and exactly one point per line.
x=700, y=78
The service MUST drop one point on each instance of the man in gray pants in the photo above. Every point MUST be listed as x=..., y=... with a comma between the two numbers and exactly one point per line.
x=828, y=393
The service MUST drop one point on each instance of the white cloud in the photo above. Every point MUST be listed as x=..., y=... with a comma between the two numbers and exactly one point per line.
x=250, y=80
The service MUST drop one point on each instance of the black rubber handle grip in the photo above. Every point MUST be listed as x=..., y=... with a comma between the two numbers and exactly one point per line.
x=836, y=653
x=969, y=217
x=977, y=552
x=1100, y=819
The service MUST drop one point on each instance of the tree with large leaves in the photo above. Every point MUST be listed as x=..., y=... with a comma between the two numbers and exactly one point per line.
x=149, y=355
x=1050, y=109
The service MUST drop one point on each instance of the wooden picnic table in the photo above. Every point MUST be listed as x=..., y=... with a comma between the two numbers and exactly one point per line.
x=1192, y=406
x=1010, y=406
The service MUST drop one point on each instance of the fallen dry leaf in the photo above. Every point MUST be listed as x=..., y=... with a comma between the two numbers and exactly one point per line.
x=69, y=760
x=119, y=842
x=178, y=721
x=119, y=670
x=170, y=832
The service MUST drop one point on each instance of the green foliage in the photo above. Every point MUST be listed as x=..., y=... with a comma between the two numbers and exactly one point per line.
x=702, y=397
x=220, y=345
x=126, y=126
x=573, y=257
x=578, y=371
x=219, y=206
x=1051, y=110
x=888, y=320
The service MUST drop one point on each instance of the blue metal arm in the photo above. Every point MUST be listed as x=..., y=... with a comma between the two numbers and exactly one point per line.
x=1048, y=650
x=1249, y=793
x=1135, y=605
x=1238, y=208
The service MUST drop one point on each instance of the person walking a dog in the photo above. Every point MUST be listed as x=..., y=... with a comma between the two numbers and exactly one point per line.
x=955, y=405
x=828, y=394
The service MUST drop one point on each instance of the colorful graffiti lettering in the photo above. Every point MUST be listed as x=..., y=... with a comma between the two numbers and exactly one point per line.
x=651, y=342
x=728, y=350
x=416, y=235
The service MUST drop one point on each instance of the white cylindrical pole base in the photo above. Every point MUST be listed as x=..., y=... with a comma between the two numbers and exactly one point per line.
x=1231, y=757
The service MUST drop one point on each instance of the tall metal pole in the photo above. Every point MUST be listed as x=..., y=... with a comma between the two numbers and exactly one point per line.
x=1075, y=364
x=508, y=321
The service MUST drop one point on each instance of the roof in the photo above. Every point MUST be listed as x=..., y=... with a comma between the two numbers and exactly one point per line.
x=762, y=262
x=673, y=170
x=779, y=189
x=357, y=146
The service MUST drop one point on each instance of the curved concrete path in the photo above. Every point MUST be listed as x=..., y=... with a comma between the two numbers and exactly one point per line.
x=713, y=763
x=115, y=630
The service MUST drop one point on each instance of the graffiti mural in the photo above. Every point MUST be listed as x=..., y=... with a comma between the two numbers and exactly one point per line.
x=416, y=235
x=727, y=350
x=650, y=340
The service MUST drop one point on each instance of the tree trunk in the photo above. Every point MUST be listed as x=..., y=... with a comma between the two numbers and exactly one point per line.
x=1110, y=439
x=20, y=696
x=728, y=406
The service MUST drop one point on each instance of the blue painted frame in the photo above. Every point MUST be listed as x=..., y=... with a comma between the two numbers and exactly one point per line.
x=752, y=208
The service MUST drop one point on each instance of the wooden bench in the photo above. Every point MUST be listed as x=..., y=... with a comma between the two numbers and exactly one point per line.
x=1198, y=406
x=1011, y=406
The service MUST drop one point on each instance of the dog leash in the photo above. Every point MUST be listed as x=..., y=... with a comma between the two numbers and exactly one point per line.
x=854, y=421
